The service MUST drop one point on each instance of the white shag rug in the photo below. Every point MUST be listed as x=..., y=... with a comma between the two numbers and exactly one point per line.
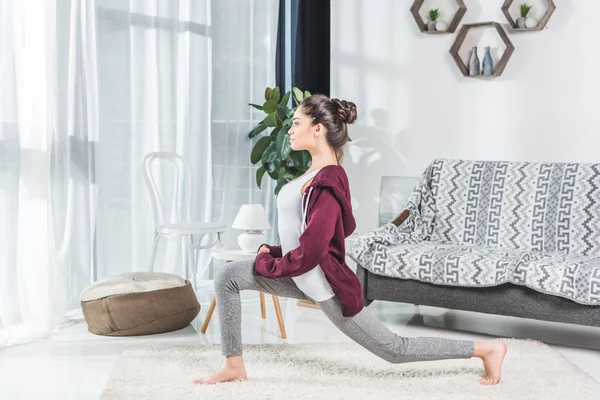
x=532, y=370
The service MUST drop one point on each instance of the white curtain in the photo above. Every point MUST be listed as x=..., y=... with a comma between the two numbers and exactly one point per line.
x=244, y=43
x=31, y=269
x=87, y=89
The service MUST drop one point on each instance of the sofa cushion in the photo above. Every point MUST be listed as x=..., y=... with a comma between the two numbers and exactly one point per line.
x=139, y=303
x=387, y=251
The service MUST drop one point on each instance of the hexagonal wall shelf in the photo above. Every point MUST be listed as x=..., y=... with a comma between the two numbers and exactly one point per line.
x=457, y=7
x=541, y=11
x=470, y=36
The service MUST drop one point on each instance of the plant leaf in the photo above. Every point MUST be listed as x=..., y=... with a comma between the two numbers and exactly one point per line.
x=307, y=94
x=256, y=106
x=288, y=175
x=267, y=94
x=280, y=183
x=289, y=120
x=285, y=99
x=270, y=106
x=293, y=171
x=259, y=149
x=275, y=94
x=284, y=147
x=270, y=120
x=270, y=154
x=269, y=167
x=259, y=175
x=257, y=129
x=282, y=112
x=301, y=159
x=298, y=96
x=434, y=14
x=271, y=170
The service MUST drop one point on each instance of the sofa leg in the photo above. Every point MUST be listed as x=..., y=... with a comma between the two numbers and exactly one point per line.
x=417, y=317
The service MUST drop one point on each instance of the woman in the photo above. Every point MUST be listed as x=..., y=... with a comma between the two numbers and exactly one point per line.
x=315, y=217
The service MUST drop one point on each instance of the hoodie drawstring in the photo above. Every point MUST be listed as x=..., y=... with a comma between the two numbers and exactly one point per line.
x=305, y=209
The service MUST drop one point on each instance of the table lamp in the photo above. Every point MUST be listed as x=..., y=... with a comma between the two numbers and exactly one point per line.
x=253, y=220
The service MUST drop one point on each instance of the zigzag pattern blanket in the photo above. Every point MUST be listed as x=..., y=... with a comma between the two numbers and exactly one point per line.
x=486, y=223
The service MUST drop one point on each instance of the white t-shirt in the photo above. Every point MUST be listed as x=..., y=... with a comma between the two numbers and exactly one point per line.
x=291, y=225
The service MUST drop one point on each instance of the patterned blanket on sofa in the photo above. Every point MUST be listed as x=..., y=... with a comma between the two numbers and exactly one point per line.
x=486, y=223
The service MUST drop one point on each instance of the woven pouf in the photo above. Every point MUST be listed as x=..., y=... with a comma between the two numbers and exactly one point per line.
x=139, y=303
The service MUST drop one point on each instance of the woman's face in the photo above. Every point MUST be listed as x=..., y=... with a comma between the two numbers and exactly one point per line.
x=303, y=134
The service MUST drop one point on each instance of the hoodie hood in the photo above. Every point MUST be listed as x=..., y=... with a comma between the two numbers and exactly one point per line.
x=334, y=179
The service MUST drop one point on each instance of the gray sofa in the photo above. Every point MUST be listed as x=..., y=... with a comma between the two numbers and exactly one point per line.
x=508, y=238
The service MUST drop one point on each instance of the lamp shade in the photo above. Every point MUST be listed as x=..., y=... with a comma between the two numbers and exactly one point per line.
x=251, y=217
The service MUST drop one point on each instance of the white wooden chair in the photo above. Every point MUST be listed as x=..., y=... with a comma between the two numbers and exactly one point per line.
x=179, y=228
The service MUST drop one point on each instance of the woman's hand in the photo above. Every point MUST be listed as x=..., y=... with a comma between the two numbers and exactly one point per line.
x=264, y=249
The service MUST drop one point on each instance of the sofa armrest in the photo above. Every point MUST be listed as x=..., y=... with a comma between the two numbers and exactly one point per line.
x=401, y=218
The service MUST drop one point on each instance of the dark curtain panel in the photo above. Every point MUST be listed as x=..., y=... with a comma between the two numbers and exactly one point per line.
x=309, y=42
x=312, y=58
x=280, y=75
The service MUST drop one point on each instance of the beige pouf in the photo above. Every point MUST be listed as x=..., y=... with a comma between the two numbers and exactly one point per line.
x=139, y=303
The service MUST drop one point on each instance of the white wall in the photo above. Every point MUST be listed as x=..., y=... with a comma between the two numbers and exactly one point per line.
x=414, y=105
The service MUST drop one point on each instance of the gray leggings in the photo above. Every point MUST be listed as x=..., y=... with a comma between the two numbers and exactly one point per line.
x=363, y=328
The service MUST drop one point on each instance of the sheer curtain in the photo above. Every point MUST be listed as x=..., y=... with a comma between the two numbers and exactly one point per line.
x=32, y=291
x=154, y=63
x=87, y=89
x=244, y=43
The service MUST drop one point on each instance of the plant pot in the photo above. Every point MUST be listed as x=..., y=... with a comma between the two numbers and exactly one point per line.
x=521, y=22
x=531, y=22
x=441, y=26
x=431, y=26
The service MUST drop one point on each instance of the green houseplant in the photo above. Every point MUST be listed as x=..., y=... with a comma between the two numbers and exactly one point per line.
x=273, y=150
x=521, y=21
x=434, y=15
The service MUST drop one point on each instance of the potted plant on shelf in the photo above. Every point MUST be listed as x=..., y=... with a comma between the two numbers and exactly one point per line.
x=434, y=15
x=274, y=150
x=522, y=20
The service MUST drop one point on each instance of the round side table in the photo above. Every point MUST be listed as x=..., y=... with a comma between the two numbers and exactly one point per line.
x=230, y=255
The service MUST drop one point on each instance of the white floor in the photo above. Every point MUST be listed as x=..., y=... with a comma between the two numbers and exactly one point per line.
x=74, y=364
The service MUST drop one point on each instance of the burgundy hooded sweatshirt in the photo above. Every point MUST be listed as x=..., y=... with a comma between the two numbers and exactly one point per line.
x=329, y=221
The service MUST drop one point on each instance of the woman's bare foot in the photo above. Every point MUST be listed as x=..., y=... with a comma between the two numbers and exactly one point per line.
x=492, y=354
x=233, y=371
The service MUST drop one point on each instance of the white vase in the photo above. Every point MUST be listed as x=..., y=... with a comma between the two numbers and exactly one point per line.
x=531, y=22
x=521, y=22
x=441, y=26
x=431, y=26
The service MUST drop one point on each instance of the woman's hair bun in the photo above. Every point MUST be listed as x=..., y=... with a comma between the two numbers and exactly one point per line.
x=346, y=110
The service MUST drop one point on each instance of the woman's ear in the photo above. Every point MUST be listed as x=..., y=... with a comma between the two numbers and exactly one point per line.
x=318, y=129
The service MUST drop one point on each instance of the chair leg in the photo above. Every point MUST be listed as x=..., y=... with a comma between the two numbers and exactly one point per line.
x=263, y=307
x=307, y=303
x=154, y=250
x=279, y=316
x=185, y=260
x=209, y=314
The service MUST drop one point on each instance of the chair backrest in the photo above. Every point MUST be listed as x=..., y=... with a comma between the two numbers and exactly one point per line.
x=180, y=186
x=523, y=205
